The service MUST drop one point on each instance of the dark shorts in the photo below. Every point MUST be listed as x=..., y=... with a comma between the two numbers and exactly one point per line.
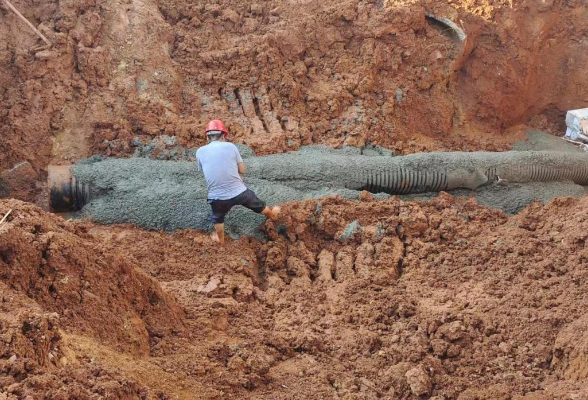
x=248, y=199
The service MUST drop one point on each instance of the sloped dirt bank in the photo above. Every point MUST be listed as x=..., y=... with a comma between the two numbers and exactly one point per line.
x=376, y=299
x=55, y=278
x=283, y=75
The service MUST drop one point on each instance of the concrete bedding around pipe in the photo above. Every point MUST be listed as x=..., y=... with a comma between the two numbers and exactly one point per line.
x=172, y=195
x=424, y=172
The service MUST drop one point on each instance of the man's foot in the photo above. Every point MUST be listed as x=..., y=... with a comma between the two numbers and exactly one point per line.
x=218, y=235
x=272, y=213
x=215, y=238
x=275, y=212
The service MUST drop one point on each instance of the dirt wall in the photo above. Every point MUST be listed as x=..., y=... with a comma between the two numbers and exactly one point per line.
x=282, y=75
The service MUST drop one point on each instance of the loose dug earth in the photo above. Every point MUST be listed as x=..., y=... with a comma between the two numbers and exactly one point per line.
x=56, y=280
x=376, y=299
x=379, y=299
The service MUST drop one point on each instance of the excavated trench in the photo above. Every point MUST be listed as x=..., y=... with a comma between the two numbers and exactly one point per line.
x=169, y=195
x=443, y=300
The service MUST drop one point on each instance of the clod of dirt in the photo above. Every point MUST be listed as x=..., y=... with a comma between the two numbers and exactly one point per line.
x=419, y=381
x=19, y=182
x=570, y=350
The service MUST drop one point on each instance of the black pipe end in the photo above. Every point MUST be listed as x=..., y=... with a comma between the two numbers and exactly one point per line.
x=66, y=193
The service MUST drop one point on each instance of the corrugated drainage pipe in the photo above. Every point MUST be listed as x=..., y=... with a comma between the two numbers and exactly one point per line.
x=418, y=173
x=448, y=171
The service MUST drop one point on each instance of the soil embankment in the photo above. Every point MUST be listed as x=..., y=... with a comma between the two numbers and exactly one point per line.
x=376, y=299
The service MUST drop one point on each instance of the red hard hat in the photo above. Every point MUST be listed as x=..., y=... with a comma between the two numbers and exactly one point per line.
x=216, y=125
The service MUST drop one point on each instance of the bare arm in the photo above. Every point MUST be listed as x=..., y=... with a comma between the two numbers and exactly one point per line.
x=241, y=168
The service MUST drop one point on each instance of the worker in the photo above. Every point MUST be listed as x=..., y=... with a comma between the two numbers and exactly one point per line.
x=222, y=165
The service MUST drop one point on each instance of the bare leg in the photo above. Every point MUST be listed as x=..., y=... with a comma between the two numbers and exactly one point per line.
x=271, y=213
x=219, y=234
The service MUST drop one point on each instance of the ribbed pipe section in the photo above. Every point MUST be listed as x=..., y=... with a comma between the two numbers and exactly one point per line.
x=539, y=173
x=400, y=181
x=468, y=171
x=318, y=169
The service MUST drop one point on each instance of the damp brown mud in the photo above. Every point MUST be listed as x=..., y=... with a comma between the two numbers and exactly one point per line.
x=370, y=299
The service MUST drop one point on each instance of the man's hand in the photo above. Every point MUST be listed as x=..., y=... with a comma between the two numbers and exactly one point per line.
x=241, y=168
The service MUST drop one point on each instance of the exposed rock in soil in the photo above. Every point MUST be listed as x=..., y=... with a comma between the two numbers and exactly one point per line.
x=419, y=381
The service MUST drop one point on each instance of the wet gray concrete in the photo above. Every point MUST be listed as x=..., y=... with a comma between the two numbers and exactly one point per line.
x=172, y=194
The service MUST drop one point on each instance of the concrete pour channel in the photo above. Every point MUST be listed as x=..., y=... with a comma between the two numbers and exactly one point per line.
x=169, y=195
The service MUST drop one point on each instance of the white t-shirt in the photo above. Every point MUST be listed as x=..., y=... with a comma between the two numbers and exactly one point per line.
x=218, y=160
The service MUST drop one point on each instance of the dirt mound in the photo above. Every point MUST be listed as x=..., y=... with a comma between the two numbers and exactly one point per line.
x=61, y=268
x=377, y=299
x=26, y=382
x=371, y=299
x=54, y=278
x=354, y=72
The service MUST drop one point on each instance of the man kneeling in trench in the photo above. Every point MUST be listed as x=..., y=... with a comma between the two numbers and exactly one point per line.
x=222, y=165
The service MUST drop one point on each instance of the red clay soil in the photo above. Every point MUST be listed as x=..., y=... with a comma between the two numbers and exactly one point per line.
x=54, y=277
x=283, y=75
x=377, y=299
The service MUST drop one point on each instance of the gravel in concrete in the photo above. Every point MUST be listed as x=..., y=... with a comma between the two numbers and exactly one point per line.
x=171, y=195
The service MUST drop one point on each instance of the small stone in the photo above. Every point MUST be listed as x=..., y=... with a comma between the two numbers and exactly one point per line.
x=12, y=359
x=12, y=388
x=452, y=331
x=211, y=286
x=453, y=351
x=419, y=381
x=350, y=231
x=45, y=54
x=169, y=140
x=63, y=361
x=504, y=347
x=439, y=346
x=436, y=55
x=6, y=338
x=256, y=9
x=199, y=370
